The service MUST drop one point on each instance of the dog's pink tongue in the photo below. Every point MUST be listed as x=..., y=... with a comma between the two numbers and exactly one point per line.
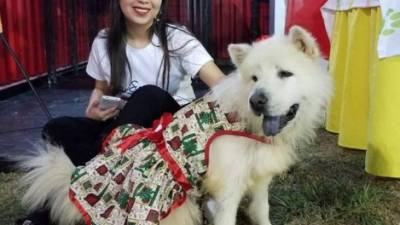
x=271, y=125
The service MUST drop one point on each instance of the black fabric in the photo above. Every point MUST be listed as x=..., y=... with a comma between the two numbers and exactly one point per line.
x=145, y=105
x=78, y=136
x=40, y=217
x=81, y=138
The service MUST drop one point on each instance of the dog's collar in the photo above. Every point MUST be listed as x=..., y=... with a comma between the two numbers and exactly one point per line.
x=259, y=138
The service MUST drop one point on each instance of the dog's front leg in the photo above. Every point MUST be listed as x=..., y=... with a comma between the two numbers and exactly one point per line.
x=228, y=193
x=259, y=206
x=227, y=204
x=227, y=176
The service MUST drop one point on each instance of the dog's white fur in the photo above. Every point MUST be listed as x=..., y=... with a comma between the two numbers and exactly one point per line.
x=237, y=165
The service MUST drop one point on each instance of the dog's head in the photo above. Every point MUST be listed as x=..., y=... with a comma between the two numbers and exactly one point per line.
x=282, y=80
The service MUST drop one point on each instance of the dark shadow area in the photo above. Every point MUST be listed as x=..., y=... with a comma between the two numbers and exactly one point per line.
x=22, y=118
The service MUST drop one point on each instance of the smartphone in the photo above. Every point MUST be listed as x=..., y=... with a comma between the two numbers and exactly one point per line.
x=107, y=102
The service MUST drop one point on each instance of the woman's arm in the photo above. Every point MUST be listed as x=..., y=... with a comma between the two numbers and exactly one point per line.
x=93, y=110
x=210, y=74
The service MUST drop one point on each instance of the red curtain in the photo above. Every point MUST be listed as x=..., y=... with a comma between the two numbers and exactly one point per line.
x=231, y=23
x=307, y=14
x=23, y=24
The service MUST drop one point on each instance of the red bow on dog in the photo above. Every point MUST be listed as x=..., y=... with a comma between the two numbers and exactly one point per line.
x=262, y=37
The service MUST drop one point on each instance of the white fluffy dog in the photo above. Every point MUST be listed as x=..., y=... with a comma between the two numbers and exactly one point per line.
x=279, y=90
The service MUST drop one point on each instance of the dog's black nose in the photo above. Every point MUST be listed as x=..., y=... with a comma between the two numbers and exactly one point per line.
x=258, y=102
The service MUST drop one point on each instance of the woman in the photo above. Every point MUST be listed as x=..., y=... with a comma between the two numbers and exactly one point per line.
x=143, y=59
x=144, y=50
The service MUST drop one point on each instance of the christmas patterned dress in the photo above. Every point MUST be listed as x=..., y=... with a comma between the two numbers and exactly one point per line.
x=142, y=174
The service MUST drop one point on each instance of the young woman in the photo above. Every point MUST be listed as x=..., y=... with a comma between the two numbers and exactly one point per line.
x=139, y=49
x=142, y=59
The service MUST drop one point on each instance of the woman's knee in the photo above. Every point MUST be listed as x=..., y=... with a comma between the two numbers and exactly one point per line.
x=150, y=91
x=145, y=105
x=54, y=127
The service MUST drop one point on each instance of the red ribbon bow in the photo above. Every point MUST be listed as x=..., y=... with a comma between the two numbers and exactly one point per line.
x=262, y=37
x=154, y=134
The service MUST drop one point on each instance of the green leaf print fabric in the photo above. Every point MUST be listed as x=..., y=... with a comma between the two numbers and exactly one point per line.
x=389, y=37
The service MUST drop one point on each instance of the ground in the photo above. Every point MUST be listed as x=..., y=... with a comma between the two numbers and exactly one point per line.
x=327, y=186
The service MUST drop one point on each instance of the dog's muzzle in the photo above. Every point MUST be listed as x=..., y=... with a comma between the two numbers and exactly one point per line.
x=271, y=125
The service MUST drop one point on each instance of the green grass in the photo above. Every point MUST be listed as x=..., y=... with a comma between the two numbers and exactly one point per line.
x=328, y=186
x=10, y=208
x=331, y=201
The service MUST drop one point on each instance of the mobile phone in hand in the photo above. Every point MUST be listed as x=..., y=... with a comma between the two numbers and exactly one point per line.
x=107, y=102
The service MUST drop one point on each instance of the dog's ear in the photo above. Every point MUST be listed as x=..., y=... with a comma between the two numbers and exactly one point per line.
x=304, y=41
x=238, y=52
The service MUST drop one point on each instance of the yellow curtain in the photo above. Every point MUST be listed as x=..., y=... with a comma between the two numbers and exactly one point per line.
x=367, y=91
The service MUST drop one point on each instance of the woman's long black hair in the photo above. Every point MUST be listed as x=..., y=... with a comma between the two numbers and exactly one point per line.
x=117, y=40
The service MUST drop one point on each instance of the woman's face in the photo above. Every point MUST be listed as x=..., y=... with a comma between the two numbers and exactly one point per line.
x=140, y=12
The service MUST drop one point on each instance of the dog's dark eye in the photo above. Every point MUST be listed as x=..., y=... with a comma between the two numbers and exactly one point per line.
x=254, y=78
x=284, y=74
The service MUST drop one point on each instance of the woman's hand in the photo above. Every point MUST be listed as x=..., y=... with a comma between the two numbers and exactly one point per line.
x=93, y=109
x=95, y=112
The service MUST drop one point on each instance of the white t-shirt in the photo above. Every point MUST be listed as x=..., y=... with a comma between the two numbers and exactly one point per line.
x=187, y=57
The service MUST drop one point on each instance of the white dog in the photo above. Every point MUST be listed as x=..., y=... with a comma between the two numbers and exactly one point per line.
x=279, y=92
